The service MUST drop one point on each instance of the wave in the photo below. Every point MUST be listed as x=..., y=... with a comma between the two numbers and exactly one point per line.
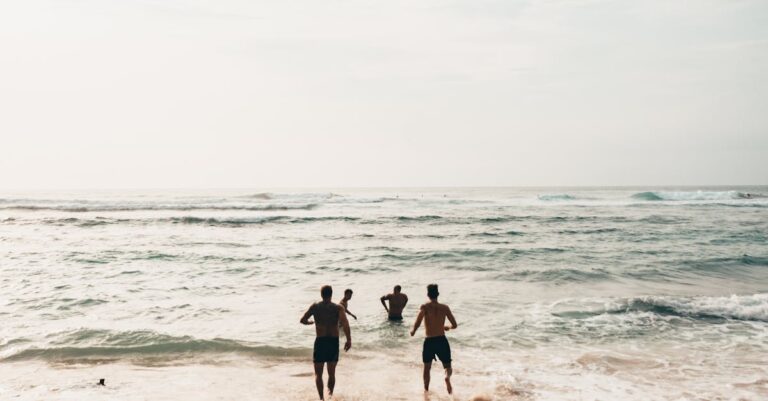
x=724, y=265
x=418, y=218
x=476, y=259
x=286, y=219
x=88, y=344
x=590, y=231
x=556, y=197
x=735, y=307
x=136, y=208
x=555, y=276
x=694, y=195
x=256, y=220
x=262, y=195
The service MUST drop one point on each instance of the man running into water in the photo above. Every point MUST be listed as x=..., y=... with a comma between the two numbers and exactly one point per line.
x=327, y=315
x=345, y=302
x=397, y=301
x=435, y=344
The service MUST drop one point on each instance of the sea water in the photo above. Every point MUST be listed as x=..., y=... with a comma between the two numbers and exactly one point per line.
x=560, y=293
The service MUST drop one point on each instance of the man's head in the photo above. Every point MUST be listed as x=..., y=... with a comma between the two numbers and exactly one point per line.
x=397, y=289
x=432, y=292
x=326, y=292
x=348, y=293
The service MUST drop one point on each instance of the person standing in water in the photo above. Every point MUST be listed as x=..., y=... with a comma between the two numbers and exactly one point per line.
x=328, y=317
x=435, y=344
x=397, y=301
x=345, y=302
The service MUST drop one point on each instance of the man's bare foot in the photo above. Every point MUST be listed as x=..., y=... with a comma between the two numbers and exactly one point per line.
x=448, y=385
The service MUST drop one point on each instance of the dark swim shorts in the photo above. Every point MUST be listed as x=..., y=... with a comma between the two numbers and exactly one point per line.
x=396, y=318
x=436, y=346
x=326, y=349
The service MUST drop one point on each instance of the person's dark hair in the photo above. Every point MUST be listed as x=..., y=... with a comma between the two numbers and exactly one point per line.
x=348, y=291
x=432, y=292
x=326, y=291
x=398, y=288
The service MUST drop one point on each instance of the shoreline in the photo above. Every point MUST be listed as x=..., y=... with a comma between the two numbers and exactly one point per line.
x=664, y=372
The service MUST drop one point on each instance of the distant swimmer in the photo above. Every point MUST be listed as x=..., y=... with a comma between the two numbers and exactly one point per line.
x=435, y=343
x=345, y=302
x=397, y=301
x=328, y=317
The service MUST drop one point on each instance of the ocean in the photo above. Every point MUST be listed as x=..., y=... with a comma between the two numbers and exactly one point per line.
x=560, y=293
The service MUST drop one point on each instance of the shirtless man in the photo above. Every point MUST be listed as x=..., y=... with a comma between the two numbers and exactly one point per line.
x=327, y=315
x=435, y=344
x=345, y=302
x=397, y=301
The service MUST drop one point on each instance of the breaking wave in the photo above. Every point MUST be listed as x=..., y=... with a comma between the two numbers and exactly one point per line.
x=136, y=208
x=693, y=195
x=556, y=197
x=84, y=344
x=735, y=307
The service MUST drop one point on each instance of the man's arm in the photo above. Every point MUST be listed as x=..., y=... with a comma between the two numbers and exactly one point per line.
x=383, y=299
x=351, y=314
x=305, y=318
x=345, y=327
x=450, y=317
x=419, y=318
x=406, y=300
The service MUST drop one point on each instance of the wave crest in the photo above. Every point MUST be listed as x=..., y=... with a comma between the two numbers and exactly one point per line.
x=87, y=344
x=735, y=307
x=137, y=208
x=556, y=197
x=693, y=195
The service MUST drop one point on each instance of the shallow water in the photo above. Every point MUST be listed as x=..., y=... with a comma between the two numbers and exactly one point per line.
x=603, y=293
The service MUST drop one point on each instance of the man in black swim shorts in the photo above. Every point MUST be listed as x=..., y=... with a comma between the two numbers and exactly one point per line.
x=328, y=317
x=435, y=344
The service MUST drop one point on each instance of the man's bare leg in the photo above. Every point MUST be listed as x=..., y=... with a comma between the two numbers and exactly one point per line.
x=427, y=367
x=331, y=377
x=448, y=373
x=319, y=379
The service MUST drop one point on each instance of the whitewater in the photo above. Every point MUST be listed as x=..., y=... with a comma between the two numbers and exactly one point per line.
x=560, y=293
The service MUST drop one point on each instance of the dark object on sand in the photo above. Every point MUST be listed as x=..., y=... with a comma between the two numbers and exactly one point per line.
x=101, y=382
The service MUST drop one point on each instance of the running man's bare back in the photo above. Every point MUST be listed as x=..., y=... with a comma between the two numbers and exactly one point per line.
x=434, y=315
x=328, y=316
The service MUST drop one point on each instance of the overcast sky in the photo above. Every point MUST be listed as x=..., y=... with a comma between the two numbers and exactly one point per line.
x=245, y=93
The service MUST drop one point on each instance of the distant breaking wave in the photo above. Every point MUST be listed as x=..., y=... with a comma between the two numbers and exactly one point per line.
x=694, y=195
x=136, y=208
x=263, y=195
x=556, y=197
x=257, y=220
x=400, y=220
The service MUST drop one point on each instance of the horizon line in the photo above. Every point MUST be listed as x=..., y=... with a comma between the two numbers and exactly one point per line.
x=634, y=186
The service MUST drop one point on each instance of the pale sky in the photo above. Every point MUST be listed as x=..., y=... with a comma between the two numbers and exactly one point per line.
x=246, y=93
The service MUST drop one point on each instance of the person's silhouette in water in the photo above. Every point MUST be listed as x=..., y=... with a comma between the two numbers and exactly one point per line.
x=397, y=301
